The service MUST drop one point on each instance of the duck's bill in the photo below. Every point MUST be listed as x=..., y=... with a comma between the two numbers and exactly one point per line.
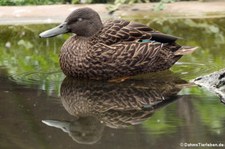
x=61, y=29
x=58, y=124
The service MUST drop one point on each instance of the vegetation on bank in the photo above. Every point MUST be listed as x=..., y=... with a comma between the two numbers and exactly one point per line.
x=49, y=2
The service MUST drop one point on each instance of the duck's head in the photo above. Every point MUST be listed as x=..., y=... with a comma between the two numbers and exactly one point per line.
x=82, y=22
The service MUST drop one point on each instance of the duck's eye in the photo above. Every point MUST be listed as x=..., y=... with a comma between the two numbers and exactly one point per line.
x=79, y=19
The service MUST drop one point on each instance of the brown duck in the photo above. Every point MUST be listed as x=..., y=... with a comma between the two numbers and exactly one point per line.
x=117, y=48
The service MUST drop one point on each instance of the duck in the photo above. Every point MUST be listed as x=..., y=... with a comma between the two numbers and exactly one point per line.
x=114, y=48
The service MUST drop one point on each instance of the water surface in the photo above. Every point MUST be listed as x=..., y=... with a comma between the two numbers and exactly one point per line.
x=40, y=108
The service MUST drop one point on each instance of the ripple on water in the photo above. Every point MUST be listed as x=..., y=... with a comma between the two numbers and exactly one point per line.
x=191, y=70
x=38, y=78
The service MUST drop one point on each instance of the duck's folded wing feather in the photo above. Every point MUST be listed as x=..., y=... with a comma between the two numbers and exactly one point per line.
x=127, y=55
x=116, y=31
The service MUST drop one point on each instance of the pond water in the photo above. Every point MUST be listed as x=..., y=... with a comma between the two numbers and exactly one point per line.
x=41, y=109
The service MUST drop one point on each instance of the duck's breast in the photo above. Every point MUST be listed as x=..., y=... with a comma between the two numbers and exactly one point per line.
x=73, y=57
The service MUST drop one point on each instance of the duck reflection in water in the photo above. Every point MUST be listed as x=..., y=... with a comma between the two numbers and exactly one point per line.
x=97, y=104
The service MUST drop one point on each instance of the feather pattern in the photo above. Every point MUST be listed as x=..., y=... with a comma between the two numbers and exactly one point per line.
x=115, y=52
x=120, y=105
x=117, y=48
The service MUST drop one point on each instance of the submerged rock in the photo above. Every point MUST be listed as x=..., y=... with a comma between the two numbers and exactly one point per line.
x=214, y=82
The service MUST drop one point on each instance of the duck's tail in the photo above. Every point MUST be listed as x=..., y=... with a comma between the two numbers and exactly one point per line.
x=184, y=50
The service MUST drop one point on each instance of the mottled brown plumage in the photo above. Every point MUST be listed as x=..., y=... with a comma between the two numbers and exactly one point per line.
x=114, y=49
x=120, y=105
x=96, y=104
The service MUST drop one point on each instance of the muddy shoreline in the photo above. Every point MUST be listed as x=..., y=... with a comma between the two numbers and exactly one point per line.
x=57, y=13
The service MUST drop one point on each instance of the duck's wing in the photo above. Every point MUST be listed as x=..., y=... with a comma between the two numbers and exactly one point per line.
x=130, y=58
x=116, y=31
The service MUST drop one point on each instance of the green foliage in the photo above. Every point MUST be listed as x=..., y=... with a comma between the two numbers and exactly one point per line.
x=116, y=3
x=28, y=2
x=161, y=5
x=75, y=1
x=29, y=59
x=128, y=1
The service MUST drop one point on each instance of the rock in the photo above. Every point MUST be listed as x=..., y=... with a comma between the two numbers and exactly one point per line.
x=214, y=82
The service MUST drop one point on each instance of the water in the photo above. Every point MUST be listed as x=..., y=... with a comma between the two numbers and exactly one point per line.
x=41, y=109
